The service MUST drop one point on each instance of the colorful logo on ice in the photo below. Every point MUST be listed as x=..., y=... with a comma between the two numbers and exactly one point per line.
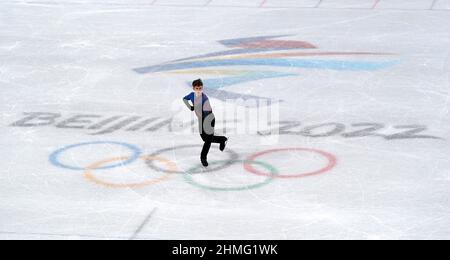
x=265, y=57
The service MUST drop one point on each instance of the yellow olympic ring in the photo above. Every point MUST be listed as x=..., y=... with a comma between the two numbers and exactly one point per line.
x=88, y=174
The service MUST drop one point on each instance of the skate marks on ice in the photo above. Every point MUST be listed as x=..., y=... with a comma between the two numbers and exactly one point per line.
x=143, y=224
x=96, y=124
x=367, y=5
x=257, y=165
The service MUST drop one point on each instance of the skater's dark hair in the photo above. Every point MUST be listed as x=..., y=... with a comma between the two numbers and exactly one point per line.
x=197, y=83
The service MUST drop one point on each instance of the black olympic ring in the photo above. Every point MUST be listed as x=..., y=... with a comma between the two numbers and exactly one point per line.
x=233, y=157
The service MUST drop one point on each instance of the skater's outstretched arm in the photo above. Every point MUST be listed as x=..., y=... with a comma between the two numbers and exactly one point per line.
x=186, y=100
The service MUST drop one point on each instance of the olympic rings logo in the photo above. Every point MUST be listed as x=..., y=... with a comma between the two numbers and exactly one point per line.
x=171, y=169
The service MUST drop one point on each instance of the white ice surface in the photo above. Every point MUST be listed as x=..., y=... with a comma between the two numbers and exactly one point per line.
x=77, y=57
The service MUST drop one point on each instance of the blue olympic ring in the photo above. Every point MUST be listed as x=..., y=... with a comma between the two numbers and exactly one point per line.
x=54, y=157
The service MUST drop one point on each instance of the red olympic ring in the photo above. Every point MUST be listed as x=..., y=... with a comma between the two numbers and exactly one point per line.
x=332, y=161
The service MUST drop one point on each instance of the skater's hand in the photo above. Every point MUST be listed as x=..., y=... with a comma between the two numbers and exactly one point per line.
x=192, y=108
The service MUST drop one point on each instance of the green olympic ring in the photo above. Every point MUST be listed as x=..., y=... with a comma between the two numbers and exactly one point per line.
x=273, y=173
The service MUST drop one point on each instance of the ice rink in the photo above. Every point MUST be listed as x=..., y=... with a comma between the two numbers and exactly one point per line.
x=97, y=144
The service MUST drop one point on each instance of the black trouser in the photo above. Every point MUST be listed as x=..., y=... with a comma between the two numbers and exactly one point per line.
x=209, y=138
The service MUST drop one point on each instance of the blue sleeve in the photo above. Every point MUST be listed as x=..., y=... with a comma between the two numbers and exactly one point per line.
x=190, y=97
